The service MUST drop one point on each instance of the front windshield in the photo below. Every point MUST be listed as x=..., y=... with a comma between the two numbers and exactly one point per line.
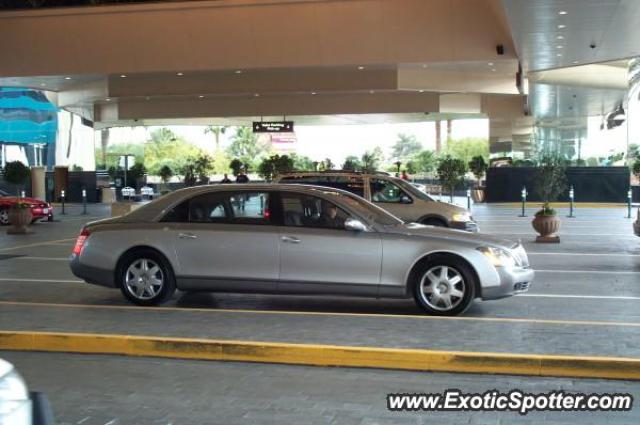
x=368, y=211
x=414, y=191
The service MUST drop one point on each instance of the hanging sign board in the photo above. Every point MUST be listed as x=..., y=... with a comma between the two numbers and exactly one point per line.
x=273, y=127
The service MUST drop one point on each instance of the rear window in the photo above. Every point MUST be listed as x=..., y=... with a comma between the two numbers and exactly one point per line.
x=353, y=184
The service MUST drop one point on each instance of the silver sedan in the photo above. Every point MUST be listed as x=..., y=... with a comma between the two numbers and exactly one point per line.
x=293, y=239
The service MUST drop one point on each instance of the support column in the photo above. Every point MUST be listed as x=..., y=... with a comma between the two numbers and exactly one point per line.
x=37, y=183
x=438, y=138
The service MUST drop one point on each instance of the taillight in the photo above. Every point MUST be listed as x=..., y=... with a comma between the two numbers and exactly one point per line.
x=82, y=238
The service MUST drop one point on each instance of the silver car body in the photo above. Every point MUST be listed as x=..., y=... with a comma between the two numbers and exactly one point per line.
x=262, y=258
x=418, y=206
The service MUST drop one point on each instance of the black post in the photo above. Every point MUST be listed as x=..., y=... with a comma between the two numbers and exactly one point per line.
x=629, y=195
x=62, y=197
x=571, y=197
x=469, y=199
x=523, y=193
x=126, y=167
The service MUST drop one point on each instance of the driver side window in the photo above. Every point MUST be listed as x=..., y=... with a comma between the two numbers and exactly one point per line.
x=309, y=211
x=387, y=192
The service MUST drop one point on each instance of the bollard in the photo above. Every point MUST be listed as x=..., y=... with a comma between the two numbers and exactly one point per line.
x=469, y=199
x=629, y=195
x=22, y=194
x=523, y=194
x=62, y=198
x=84, y=201
x=571, y=196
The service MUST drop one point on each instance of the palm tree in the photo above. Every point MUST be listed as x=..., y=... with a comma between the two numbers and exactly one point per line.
x=216, y=130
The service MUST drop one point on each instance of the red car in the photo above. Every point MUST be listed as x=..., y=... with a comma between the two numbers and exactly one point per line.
x=39, y=209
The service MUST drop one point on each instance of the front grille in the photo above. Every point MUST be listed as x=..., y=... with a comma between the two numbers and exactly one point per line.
x=521, y=287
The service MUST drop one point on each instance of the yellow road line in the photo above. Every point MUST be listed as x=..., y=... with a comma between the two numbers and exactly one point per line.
x=322, y=313
x=13, y=248
x=325, y=355
x=562, y=204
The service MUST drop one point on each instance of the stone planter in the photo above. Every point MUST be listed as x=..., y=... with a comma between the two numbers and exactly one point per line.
x=20, y=219
x=547, y=226
x=477, y=194
x=636, y=226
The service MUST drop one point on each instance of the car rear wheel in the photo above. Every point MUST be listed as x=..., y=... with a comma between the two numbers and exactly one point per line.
x=444, y=286
x=434, y=222
x=146, y=278
x=4, y=217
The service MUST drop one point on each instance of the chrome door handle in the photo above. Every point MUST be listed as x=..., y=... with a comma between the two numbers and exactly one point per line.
x=290, y=239
x=187, y=236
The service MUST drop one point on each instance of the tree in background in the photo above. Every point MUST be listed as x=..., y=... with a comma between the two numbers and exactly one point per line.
x=202, y=168
x=424, y=162
x=406, y=147
x=274, y=165
x=352, y=163
x=246, y=147
x=135, y=173
x=635, y=168
x=326, y=165
x=216, y=130
x=302, y=163
x=165, y=173
x=113, y=154
x=371, y=160
x=451, y=173
x=236, y=166
x=465, y=149
x=165, y=148
x=15, y=172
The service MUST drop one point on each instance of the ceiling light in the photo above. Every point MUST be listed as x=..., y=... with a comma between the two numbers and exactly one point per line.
x=493, y=70
x=561, y=26
x=561, y=37
x=257, y=94
x=562, y=12
x=148, y=98
x=558, y=47
x=360, y=68
x=313, y=93
x=67, y=78
x=559, y=54
x=371, y=91
x=123, y=76
x=424, y=65
x=42, y=84
x=421, y=91
x=490, y=64
x=201, y=97
x=238, y=71
x=179, y=74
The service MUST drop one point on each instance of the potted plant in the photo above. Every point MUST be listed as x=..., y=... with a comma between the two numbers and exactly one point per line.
x=550, y=181
x=20, y=218
x=451, y=172
x=478, y=167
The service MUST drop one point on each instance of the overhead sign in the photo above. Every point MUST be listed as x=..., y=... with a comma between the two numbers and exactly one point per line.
x=273, y=127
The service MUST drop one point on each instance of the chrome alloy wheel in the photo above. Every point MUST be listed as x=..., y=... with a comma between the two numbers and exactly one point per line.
x=4, y=217
x=144, y=279
x=442, y=288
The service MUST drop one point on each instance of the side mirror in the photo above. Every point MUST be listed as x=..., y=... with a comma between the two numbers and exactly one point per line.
x=405, y=199
x=354, y=225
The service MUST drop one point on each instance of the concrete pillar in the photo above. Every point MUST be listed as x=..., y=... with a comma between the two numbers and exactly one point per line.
x=438, y=138
x=448, y=130
x=37, y=183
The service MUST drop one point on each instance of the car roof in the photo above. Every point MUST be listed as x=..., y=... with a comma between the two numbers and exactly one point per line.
x=162, y=205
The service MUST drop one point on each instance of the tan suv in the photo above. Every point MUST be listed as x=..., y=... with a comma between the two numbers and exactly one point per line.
x=395, y=195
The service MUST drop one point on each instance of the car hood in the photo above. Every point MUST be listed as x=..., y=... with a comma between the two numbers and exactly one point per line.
x=14, y=199
x=479, y=239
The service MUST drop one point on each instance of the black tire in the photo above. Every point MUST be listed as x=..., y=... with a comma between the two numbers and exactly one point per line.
x=454, y=265
x=4, y=217
x=433, y=221
x=168, y=287
x=50, y=218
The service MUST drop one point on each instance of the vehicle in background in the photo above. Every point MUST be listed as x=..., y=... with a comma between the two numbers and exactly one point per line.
x=421, y=187
x=297, y=239
x=39, y=209
x=17, y=405
x=393, y=194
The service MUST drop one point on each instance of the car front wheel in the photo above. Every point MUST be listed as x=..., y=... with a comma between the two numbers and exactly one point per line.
x=146, y=278
x=444, y=287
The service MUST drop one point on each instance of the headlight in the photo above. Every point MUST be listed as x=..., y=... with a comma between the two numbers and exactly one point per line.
x=463, y=216
x=498, y=257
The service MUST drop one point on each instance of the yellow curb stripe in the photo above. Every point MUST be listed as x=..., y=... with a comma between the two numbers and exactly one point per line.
x=143, y=310
x=325, y=355
x=562, y=204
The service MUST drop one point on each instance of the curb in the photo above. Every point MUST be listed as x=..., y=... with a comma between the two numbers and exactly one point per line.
x=531, y=204
x=325, y=355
